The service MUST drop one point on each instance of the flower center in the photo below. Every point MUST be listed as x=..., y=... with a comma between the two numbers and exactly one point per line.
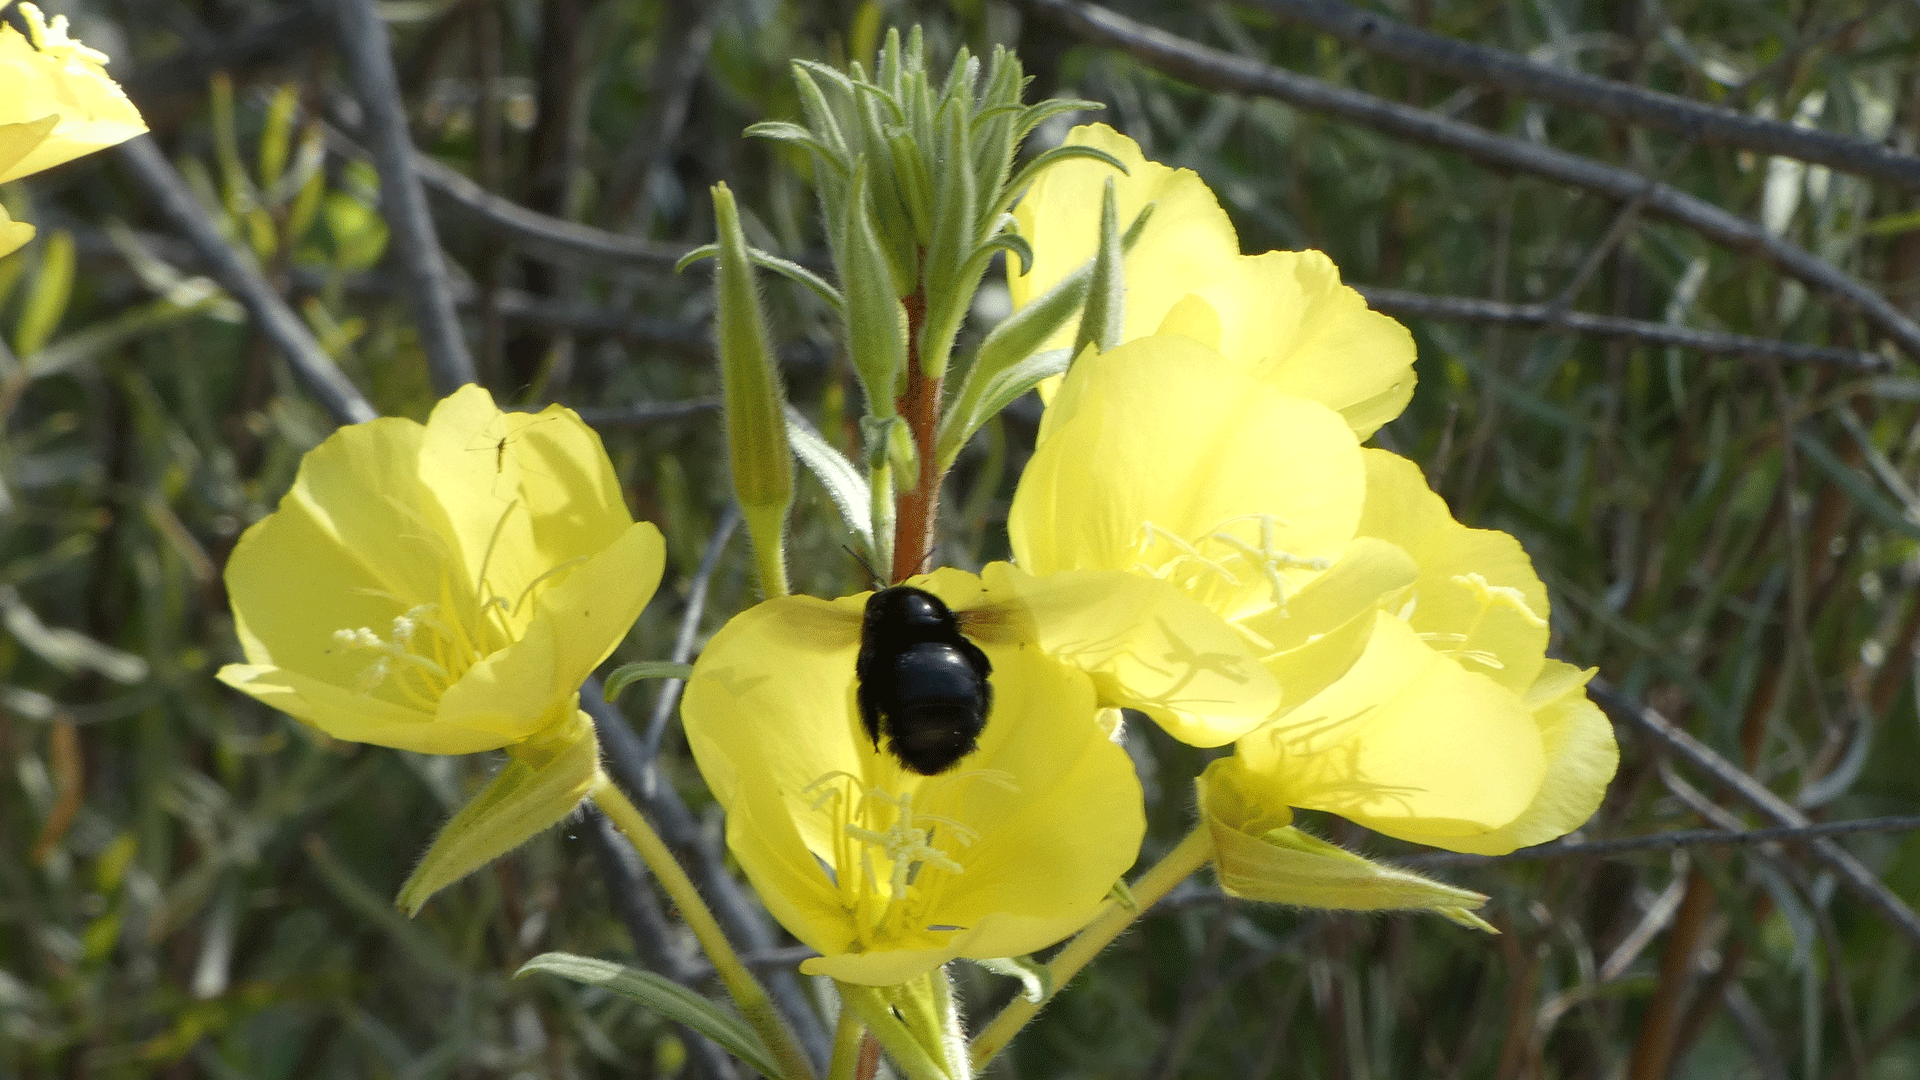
x=1223, y=560
x=429, y=646
x=886, y=863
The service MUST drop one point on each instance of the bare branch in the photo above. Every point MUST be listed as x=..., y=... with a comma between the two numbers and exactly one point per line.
x=1502, y=70
x=237, y=272
x=1470, y=309
x=363, y=35
x=1850, y=871
x=1220, y=71
x=1681, y=838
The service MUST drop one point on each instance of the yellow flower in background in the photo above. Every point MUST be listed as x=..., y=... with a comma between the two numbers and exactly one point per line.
x=56, y=104
x=887, y=873
x=1283, y=316
x=441, y=588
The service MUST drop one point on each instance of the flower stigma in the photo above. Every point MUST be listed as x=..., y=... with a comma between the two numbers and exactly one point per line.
x=1198, y=567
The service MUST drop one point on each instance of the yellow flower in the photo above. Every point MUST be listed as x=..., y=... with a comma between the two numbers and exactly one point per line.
x=1408, y=650
x=1163, y=460
x=888, y=873
x=56, y=103
x=443, y=588
x=1283, y=316
x=1450, y=727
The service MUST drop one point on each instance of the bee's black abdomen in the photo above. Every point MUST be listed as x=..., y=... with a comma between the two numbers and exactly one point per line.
x=921, y=683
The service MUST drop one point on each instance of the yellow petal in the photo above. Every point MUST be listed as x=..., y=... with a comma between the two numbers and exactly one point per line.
x=1149, y=647
x=1188, y=238
x=1283, y=316
x=54, y=75
x=354, y=532
x=1477, y=599
x=1160, y=443
x=1288, y=319
x=1041, y=820
x=579, y=615
x=355, y=717
x=1581, y=759
x=1407, y=743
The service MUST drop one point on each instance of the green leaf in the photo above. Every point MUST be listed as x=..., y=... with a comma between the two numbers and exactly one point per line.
x=627, y=674
x=843, y=482
x=1036, y=980
x=765, y=260
x=46, y=300
x=1104, y=315
x=663, y=995
x=1031, y=170
x=541, y=784
x=876, y=322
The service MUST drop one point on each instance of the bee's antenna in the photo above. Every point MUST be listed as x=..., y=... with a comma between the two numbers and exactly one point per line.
x=865, y=565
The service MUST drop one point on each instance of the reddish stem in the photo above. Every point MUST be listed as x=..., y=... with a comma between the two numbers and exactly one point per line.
x=916, y=512
x=868, y=1063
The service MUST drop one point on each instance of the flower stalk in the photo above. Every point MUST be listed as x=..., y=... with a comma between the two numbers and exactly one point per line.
x=747, y=993
x=1187, y=857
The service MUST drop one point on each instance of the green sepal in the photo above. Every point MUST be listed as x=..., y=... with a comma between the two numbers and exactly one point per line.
x=786, y=268
x=876, y=321
x=755, y=403
x=1258, y=856
x=668, y=998
x=843, y=482
x=1036, y=979
x=901, y=1020
x=1103, y=317
x=1123, y=895
x=627, y=674
x=543, y=782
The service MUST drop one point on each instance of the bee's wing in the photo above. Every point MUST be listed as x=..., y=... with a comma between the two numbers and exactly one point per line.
x=826, y=625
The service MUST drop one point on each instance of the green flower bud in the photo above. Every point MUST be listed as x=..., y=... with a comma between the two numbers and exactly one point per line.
x=755, y=403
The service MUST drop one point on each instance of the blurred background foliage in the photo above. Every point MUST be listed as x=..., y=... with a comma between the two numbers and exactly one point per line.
x=191, y=885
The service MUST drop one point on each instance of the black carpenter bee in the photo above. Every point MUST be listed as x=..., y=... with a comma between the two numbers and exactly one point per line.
x=920, y=681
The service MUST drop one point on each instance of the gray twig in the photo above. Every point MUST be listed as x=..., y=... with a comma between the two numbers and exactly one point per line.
x=644, y=413
x=1481, y=65
x=1850, y=871
x=1679, y=838
x=683, y=641
x=1469, y=309
x=237, y=272
x=363, y=35
x=1220, y=71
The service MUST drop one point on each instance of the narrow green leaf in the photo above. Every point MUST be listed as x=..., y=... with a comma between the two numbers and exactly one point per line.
x=843, y=482
x=46, y=300
x=1102, y=319
x=876, y=321
x=1031, y=170
x=627, y=674
x=1036, y=981
x=664, y=996
x=765, y=260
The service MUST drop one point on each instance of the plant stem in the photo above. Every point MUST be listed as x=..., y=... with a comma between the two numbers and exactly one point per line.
x=748, y=995
x=1188, y=856
x=873, y=1009
x=919, y=508
x=849, y=1038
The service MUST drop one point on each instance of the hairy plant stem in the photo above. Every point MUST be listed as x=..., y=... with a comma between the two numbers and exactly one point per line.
x=919, y=507
x=748, y=995
x=1188, y=856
